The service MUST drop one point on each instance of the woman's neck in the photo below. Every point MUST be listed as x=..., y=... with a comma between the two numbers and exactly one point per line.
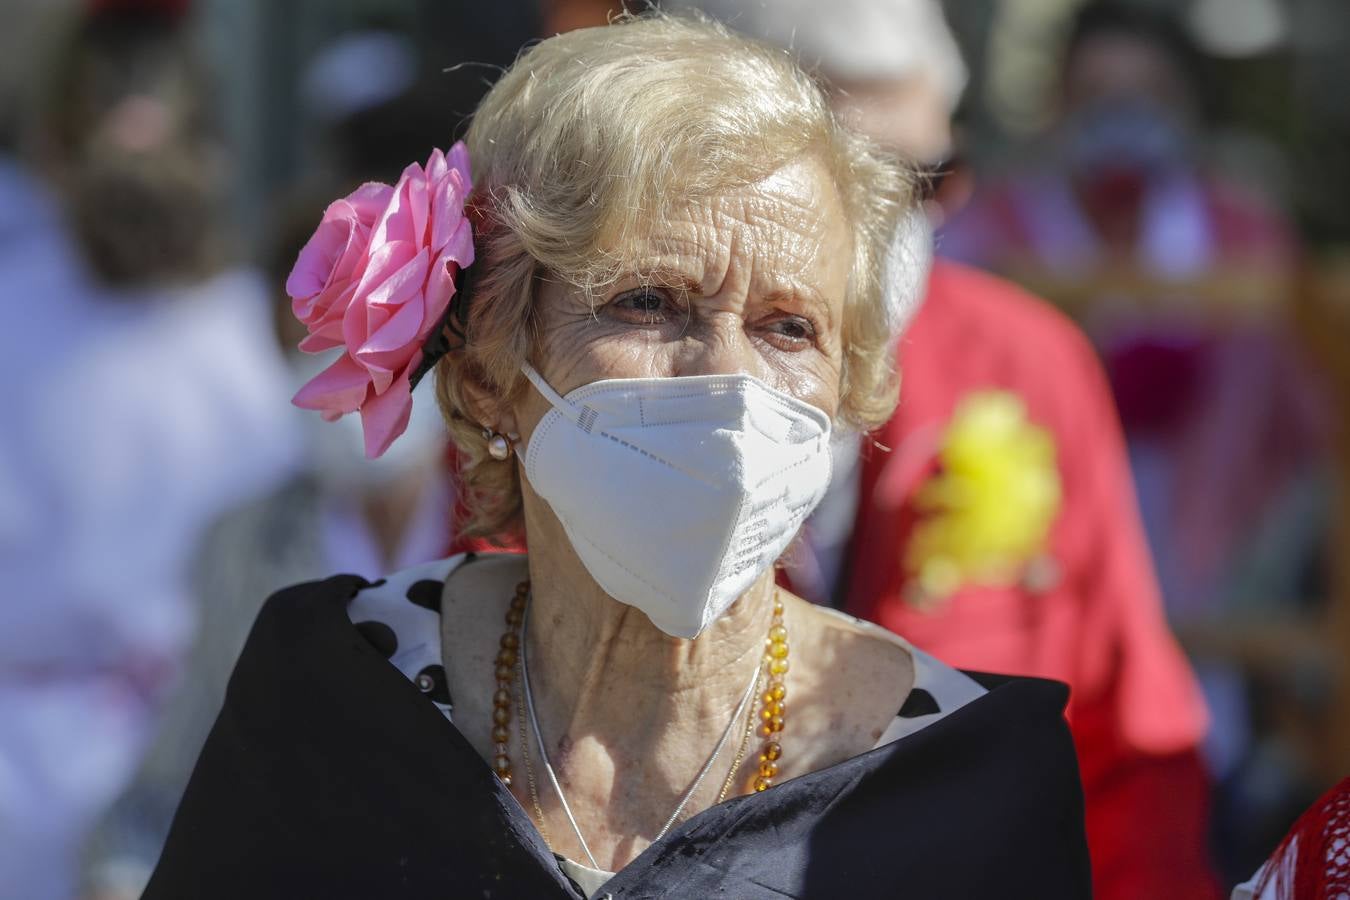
x=628, y=714
x=587, y=650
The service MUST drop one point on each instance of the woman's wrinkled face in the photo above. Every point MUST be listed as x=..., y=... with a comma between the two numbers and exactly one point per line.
x=749, y=282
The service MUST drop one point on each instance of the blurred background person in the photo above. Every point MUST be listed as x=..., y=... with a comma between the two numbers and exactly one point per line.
x=1183, y=275
x=1172, y=268
x=145, y=403
x=1045, y=571
x=372, y=95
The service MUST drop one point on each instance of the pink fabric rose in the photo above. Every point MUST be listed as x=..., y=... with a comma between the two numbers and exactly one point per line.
x=375, y=279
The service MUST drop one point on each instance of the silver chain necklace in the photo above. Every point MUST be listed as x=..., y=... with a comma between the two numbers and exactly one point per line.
x=553, y=778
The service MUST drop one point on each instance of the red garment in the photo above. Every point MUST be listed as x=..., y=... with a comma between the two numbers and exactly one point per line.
x=1136, y=711
x=1313, y=860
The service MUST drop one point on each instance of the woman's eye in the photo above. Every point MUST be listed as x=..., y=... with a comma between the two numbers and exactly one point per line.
x=792, y=332
x=646, y=306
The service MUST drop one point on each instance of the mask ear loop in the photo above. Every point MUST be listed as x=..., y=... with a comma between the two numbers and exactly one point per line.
x=553, y=397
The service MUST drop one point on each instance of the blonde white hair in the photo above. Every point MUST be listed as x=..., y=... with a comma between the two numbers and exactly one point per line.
x=586, y=141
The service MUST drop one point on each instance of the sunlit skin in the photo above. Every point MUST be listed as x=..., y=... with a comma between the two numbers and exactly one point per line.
x=752, y=281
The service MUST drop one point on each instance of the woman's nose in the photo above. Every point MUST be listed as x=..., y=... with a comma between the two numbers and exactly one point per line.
x=723, y=350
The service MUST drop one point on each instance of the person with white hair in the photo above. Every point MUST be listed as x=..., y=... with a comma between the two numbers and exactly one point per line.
x=1074, y=596
x=648, y=304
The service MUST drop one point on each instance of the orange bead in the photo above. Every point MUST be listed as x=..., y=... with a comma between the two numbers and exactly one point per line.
x=770, y=710
x=778, y=633
x=763, y=784
x=776, y=692
x=778, y=667
x=768, y=769
x=772, y=751
x=778, y=650
x=778, y=608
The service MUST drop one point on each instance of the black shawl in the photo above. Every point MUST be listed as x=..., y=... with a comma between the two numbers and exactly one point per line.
x=329, y=775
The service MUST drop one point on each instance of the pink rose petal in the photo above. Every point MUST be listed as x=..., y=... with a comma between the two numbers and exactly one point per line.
x=340, y=388
x=361, y=316
x=329, y=323
x=436, y=167
x=328, y=254
x=403, y=283
x=318, y=343
x=460, y=247
x=458, y=158
x=446, y=213
x=401, y=329
x=385, y=416
x=419, y=208
x=370, y=200
x=384, y=260
x=440, y=288
x=405, y=219
x=392, y=345
x=376, y=277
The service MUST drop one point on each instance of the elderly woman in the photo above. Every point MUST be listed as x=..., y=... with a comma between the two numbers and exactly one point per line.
x=661, y=299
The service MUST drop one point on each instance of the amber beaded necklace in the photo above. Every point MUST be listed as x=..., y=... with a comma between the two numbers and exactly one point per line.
x=511, y=659
x=773, y=704
x=507, y=658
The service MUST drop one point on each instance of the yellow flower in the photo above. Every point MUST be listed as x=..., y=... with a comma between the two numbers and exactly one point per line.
x=989, y=510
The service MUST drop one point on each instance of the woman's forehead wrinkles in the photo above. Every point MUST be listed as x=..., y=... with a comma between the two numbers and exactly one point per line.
x=778, y=245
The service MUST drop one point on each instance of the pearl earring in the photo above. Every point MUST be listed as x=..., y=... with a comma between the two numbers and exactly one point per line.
x=498, y=445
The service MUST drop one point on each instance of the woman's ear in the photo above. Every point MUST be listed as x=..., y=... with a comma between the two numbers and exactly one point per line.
x=488, y=407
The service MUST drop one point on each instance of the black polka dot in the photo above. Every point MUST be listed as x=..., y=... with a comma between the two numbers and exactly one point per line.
x=427, y=594
x=380, y=636
x=431, y=681
x=918, y=703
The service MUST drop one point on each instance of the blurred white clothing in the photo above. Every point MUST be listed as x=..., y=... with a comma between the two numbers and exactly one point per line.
x=129, y=424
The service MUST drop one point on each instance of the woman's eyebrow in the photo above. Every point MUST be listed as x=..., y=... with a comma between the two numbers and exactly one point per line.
x=797, y=294
x=664, y=274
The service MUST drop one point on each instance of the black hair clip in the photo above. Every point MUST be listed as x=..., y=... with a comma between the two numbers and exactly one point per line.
x=450, y=333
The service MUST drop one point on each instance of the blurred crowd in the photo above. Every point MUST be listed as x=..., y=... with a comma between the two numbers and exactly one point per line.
x=1152, y=170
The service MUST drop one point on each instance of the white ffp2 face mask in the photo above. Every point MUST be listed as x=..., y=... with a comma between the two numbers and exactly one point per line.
x=678, y=493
